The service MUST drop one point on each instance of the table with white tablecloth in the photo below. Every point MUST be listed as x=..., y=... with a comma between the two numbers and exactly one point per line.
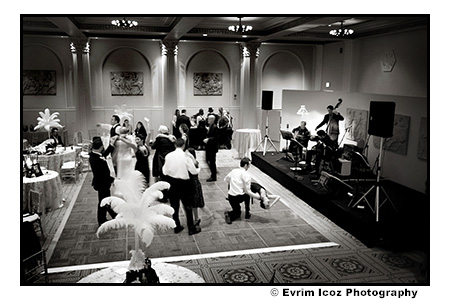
x=167, y=273
x=246, y=141
x=55, y=161
x=48, y=185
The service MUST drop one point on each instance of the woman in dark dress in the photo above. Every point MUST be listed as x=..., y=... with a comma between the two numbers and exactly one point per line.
x=267, y=201
x=198, y=200
x=140, y=129
x=142, y=154
x=184, y=131
x=164, y=143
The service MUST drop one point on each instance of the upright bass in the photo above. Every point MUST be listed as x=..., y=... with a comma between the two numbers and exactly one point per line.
x=333, y=123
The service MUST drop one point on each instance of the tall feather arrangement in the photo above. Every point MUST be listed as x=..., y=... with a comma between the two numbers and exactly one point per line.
x=138, y=207
x=123, y=112
x=48, y=121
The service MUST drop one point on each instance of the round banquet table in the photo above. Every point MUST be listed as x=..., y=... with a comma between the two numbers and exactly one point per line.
x=55, y=161
x=167, y=273
x=49, y=185
x=246, y=141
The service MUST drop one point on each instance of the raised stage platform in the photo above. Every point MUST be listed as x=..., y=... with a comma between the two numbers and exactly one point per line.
x=407, y=227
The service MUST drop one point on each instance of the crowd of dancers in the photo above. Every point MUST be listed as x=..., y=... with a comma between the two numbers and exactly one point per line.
x=174, y=161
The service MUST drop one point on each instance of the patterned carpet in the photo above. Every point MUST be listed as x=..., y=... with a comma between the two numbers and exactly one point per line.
x=277, y=227
x=331, y=265
x=346, y=261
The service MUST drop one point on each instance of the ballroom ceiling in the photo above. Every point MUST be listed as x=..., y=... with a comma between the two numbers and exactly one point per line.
x=306, y=29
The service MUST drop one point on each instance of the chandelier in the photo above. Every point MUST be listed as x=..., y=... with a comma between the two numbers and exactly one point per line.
x=341, y=31
x=124, y=23
x=240, y=28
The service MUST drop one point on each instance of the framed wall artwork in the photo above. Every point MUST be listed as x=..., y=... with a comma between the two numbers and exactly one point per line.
x=208, y=84
x=127, y=83
x=39, y=82
x=422, y=147
x=356, y=125
x=398, y=143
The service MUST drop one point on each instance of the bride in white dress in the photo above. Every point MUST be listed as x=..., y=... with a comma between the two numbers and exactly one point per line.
x=123, y=154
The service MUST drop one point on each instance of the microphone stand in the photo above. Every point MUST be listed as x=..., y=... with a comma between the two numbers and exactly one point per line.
x=346, y=130
x=377, y=186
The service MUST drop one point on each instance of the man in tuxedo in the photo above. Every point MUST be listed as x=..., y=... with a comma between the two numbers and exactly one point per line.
x=212, y=146
x=114, y=130
x=183, y=119
x=102, y=179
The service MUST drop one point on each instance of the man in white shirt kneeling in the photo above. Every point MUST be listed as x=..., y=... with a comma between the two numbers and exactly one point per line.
x=239, y=191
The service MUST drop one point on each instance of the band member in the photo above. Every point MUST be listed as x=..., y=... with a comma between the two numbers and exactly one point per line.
x=332, y=119
x=301, y=135
x=323, y=150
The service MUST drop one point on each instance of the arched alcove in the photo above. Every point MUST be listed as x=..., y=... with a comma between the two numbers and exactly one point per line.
x=127, y=60
x=205, y=61
x=48, y=61
x=282, y=71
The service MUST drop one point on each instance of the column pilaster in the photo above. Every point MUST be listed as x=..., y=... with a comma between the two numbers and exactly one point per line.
x=249, y=86
x=80, y=48
x=169, y=51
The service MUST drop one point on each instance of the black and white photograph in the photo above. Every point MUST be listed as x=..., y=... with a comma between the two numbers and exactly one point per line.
x=284, y=152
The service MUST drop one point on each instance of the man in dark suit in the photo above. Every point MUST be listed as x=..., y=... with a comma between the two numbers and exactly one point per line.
x=57, y=140
x=114, y=129
x=102, y=179
x=182, y=119
x=212, y=146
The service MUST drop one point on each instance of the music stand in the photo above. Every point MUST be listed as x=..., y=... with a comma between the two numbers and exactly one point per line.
x=266, y=137
x=297, y=159
x=377, y=187
x=288, y=136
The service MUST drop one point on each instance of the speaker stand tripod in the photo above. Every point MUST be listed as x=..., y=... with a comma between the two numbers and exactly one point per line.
x=377, y=186
x=266, y=138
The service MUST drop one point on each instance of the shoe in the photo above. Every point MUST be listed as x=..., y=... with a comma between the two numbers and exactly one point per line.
x=248, y=215
x=274, y=201
x=211, y=179
x=227, y=217
x=195, y=230
x=178, y=229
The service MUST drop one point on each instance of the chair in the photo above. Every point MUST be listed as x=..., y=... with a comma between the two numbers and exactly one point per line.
x=84, y=161
x=33, y=213
x=84, y=144
x=65, y=137
x=34, y=140
x=34, y=268
x=92, y=133
x=71, y=169
x=79, y=141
